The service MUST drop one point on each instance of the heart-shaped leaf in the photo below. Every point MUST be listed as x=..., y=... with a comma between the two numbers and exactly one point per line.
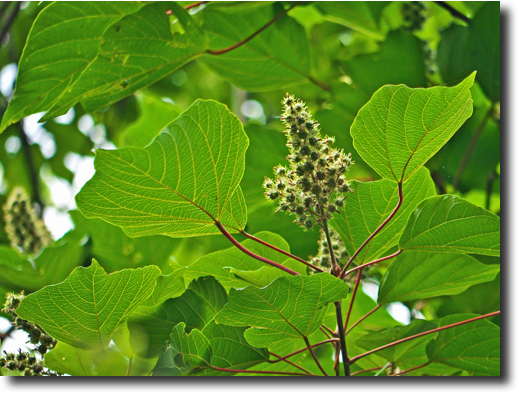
x=85, y=310
x=179, y=185
x=449, y=224
x=400, y=128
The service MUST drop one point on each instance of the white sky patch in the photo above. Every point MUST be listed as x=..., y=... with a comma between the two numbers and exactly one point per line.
x=399, y=312
x=58, y=222
x=13, y=145
x=68, y=118
x=7, y=77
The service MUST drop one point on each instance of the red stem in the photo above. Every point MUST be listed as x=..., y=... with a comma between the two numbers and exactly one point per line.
x=271, y=22
x=353, y=298
x=391, y=215
x=263, y=372
x=252, y=254
x=373, y=262
x=309, y=346
x=306, y=348
x=281, y=251
x=362, y=318
x=422, y=334
x=367, y=370
x=412, y=369
x=290, y=363
x=187, y=7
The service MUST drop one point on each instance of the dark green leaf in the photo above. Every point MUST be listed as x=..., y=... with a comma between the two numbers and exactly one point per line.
x=180, y=184
x=400, y=128
x=371, y=204
x=449, y=224
x=85, y=310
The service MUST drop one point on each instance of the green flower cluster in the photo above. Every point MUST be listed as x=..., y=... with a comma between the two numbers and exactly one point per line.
x=414, y=15
x=25, y=362
x=316, y=171
x=322, y=259
x=22, y=225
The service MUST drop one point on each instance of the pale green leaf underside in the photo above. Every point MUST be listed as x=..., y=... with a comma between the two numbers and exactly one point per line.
x=179, y=185
x=85, y=310
x=449, y=224
x=401, y=128
x=289, y=307
x=473, y=347
x=366, y=209
x=417, y=275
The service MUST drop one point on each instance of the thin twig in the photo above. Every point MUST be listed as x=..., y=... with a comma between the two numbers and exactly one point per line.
x=7, y=334
x=328, y=329
x=373, y=262
x=356, y=358
x=187, y=7
x=455, y=13
x=246, y=40
x=357, y=282
x=412, y=369
x=302, y=350
x=470, y=148
x=367, y=370
x=281, y=251
x=252, y=254
x=309, y=346
x=288, y=362
x=261, y=372
x=9, y=20
x=342, y=337
x=391, y=215
x=362, y=318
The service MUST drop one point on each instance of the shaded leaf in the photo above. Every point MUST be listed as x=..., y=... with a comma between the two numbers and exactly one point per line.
x=85, y=310
x=449, y=224
x=366, y=209
x=288, y=307
x=400, y=128
x=180, y=184
x=473, y=347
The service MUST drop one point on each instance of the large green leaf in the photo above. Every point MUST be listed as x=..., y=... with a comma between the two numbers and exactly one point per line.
x=289, y=307
x=400, y=128
x=473, y=347
x=279, y=56
x=417, y=275
x=179, y=185
x=63, y=42
x=85, y=310
x=366, y=209
x=151, y=325
x=115, y=250
x=474, y=47
x=225, y=264
x=363, y=16
x=53, y=265
x=449, y=224
x=215, y=346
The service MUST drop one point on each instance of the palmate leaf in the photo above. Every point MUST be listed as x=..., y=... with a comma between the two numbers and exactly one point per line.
x=290, y=307
x=214, y=346
x=449, y=224
x=179, y=185
x=417, y=275
x=472, y=347
x=400, y=128
x=366, y=209
x=63, y=41
x=85, y=310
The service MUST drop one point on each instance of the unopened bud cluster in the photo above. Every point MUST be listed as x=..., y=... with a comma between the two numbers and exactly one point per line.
x=37, y=336
x=323, y=260
x=414, y=14
x=23, y=226
x=26, y=363
x=315, y=173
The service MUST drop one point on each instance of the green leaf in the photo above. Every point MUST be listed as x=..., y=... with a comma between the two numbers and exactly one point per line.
x=215, y=346
x=115, y=250
x=474, y=47
x=473, y=347
x=363, y=16
x=449, y=224
x=289, y=307
x=135, y=52
x=53, y=265
x=400, y=128
x=63, y=42
x=151, y=325
x=417, y=275
x=366, y=209
x=168, y=286
x=224, y=263
x=85, y=310
x=180, y=184
x=278, y=57
x=155, y=114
